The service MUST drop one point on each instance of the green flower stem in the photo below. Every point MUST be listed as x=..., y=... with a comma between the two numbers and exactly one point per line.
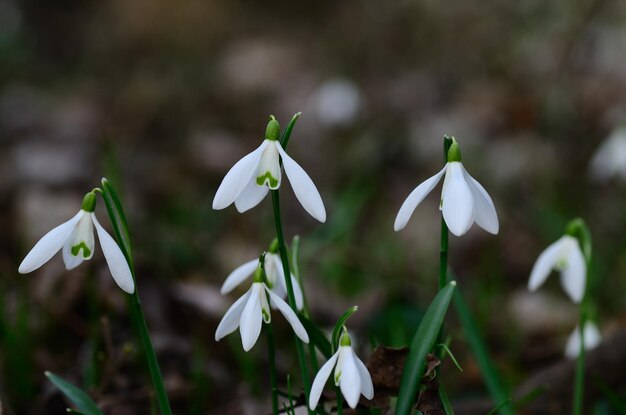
x=120, y=228
x=443, y=255
x=282, y=248
x=579, y=382
x=339, y=400
x=271, y=357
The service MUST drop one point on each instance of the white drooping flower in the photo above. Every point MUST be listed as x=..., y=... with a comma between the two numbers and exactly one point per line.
x=275, y=278
x=250, y=179
x=350, y=375
x=592, y=339
x=252, y=309
x=609, y=160
x=75, y=237
x=566, y=256
x=463, y=200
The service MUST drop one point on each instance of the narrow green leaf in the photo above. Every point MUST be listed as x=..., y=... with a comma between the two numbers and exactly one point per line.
x=449, y=352
x=284, y=140
x=423, y=342
x=79, y=398
x=443, y=396
x=118, y=219
x=317, y=337
x=339, y=326
x=495, y=386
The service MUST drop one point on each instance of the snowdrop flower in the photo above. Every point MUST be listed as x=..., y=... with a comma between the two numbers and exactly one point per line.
x=275, y=277
x=251, y=178
x=463, y=200
x=592, y=340
x=609, y=160
x=75, y=237
x=350, y=375
x=566, y=256
x=250, y=310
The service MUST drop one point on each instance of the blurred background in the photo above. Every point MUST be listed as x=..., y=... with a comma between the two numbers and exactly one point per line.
x=164, y=97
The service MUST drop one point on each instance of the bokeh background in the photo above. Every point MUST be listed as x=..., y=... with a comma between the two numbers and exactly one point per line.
x=163, y=97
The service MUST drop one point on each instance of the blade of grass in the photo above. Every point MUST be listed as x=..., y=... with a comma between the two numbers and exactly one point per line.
x=443, y=396
x=334, y=340
x=495, y=386
x=422, y=344
x=75, y=395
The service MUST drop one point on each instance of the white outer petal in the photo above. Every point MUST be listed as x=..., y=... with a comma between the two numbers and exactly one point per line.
x=282, y=282
x=350, y=381
x=545, y=264
x=238, y=178
x=239, y=275
x=574, y=276
x=49, y=245
x=120, y=271
x=250, y=196
x=320, y=380
x=251, y=318
x=592, y=340
x=367, y=387
x=230, y=321
x=303, y=186
x=289, y=314
x=415, y=198
x=297, y=293
x=486, y=216
x=457, y=200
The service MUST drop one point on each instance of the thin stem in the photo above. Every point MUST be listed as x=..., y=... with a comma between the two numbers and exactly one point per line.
x=139, y=321
x=443, y=255
x=282, y=248
x=339, y=400
x=271, y=357
x=579, y=385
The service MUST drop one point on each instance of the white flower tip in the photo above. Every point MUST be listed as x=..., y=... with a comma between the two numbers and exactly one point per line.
x=399, y=223
x=23, y=269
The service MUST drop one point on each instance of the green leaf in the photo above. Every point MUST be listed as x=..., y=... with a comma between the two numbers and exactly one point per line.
x=340, y=323
x=495, y=386
x=79, y=398
x=284, y=140
x=423, y=342
x=118, y=219
x=316, y=336
x=443, y=396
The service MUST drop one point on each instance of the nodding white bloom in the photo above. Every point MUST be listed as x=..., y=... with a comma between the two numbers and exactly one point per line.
x=251, y=309
x=566, y=256
x=350, y=375
x=275, y=278
x=592, y=339
x=250, y=179
x=609, y=160
x=463, y=200
x=75, y=237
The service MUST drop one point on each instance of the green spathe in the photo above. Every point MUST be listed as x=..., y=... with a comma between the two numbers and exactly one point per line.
x=272, y=132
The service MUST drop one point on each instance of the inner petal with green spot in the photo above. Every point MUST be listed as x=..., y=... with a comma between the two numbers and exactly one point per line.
x=266, y=179
x=81, y=246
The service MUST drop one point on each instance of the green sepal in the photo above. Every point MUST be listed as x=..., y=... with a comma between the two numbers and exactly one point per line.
x=272, y=132
x=454, y=152
x=89, y=202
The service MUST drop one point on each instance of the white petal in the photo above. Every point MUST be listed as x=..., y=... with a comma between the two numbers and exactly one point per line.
x=289, y=314
x=49, y=245
x=544, y=265
x=251, y=318
x=250, y=196
x=574, y=275
x=350, y=381
x=320, y=380
x=231, y=319
x=237, y=178
x=367, y=387
x=592, y=339
x=70, y=260
x=116, y=261
x=297, y=293
x=486, y=216
x=414, y=199
x=303, y=187
x=297, y=290
x=239, y=275
x=457, y=200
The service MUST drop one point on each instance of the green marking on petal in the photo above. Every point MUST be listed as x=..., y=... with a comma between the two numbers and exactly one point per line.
x=267, y=179
x=77, y=248
x=266, y=315
x=337, y=377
